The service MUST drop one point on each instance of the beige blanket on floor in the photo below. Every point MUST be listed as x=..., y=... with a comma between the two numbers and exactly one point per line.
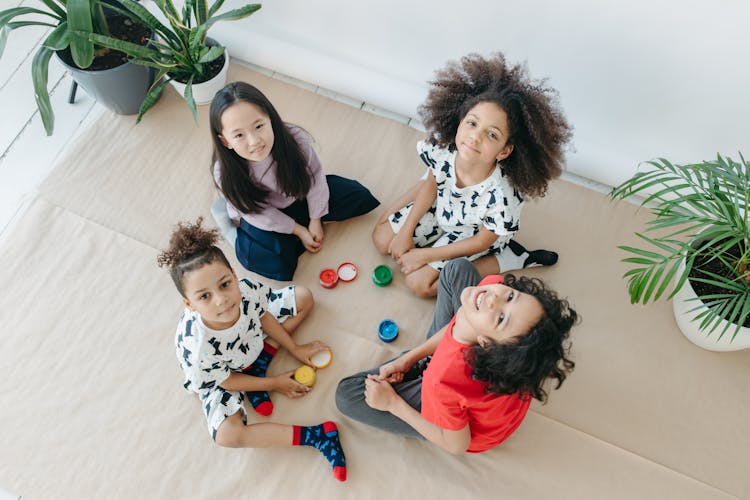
x=91, y=391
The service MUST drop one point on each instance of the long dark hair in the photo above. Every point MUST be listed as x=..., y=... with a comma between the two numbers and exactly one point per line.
x=237, y=184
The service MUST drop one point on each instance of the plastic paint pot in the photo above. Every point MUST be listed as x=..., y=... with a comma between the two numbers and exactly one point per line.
x=305, y=375
x=382, y=275
x=347, y=272
x=387, y=330
x=329, y=278
x=322, y=359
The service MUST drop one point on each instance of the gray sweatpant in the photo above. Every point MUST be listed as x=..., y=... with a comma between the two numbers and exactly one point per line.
x=350, y=393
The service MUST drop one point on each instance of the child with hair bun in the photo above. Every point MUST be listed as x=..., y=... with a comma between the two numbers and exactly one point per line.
x=228, y=334
x=495, y=139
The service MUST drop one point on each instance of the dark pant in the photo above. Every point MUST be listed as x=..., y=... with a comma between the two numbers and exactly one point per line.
x=274, y=255
x=350, y=393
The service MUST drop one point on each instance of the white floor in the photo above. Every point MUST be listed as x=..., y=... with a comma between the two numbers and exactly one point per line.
x=26, y=153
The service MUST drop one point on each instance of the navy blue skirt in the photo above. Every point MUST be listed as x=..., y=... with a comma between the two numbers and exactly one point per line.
x=274, y=255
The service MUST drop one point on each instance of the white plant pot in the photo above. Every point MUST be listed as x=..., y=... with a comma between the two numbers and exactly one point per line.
x=203, y=93
x=682, y=303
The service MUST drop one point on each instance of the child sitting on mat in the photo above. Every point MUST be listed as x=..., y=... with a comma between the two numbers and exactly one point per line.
x=221, y=349
x=495, y=139
x=490, y=348
x=274, y=185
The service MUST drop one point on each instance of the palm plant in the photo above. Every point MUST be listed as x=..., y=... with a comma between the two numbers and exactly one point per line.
x=66, y=17
x=701, y=213
x=181, y=51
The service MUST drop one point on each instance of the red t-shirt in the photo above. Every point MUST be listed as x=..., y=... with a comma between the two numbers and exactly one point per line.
x=451, y=398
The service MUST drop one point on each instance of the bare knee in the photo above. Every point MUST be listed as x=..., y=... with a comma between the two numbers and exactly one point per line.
x=230, y=432
x=382, y=236
x=304, y=300
x=421, y=287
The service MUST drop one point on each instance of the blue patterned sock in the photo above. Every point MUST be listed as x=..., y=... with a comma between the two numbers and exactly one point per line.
x=260, y=400
x=324, y=437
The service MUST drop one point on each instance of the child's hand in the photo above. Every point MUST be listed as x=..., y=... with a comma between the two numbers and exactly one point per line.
x=400, y=244
x=393, y=371
x=307, y=239
x=289, y=387
x=306, y=351
x=316, y=230
x=378, y=393
x=412, y=260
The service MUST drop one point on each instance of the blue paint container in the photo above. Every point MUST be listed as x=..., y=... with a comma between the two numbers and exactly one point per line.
x=387, y=330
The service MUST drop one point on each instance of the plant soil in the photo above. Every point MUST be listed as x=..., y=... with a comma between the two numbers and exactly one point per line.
x=122, y=28
x=211, y=70
x=705, y=263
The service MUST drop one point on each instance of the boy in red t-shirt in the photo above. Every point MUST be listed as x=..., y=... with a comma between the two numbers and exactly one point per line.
x=488, y=352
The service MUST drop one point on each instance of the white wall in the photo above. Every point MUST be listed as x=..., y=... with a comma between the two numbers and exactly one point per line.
x=637, y=79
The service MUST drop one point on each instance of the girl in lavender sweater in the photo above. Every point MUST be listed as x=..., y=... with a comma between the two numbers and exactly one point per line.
x=275, y=189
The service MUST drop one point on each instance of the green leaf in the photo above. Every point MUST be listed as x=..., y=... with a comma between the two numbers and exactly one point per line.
x=129, y=48
x=39, y=75
x=743, y=316
x=161, y=66
x=4, y=30
x=189, y=99
x=216, y=6
x=167, y=7
x=20, y=24
x=644, y=253
x=212, y=54
x=58, y=38
x=639, y=260
x=152, y=96
x=231, y=15
x=667, y=280
x=79, y=20
x=8, y=14
x=201, y=11
x=144, y=15
x=654, y=281
x=54, y=7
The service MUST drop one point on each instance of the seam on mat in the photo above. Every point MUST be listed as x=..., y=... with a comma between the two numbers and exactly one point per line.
x=41, y=197
x=631, y=452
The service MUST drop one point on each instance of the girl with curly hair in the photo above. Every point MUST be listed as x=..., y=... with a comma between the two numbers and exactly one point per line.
x=495, y=138
x=228, y=334
x=491, y=347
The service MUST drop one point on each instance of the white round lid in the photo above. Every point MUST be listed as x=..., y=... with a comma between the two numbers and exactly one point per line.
x=347, y=271
x=321, y=359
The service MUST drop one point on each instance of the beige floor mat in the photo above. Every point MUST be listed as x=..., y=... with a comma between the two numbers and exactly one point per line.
x=91, y=388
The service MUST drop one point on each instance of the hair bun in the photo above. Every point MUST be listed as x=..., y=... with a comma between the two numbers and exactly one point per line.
x=186, y=241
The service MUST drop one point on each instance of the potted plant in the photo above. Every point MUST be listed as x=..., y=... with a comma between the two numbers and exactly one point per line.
x=701, y=216
x=105, y=74
x=182, y=52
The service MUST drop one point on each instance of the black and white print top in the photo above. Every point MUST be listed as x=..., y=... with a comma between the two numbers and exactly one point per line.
x=493, y=203
x=208, y=356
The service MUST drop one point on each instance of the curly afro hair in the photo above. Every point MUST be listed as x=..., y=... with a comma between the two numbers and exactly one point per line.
x=190, y=247
x=524, y=364
x=538, y=129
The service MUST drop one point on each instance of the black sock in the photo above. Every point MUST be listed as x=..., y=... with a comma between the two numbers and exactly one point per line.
x=515, y=256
